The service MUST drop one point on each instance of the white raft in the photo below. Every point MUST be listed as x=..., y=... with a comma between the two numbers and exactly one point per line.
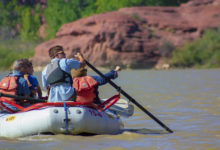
x=54, y=120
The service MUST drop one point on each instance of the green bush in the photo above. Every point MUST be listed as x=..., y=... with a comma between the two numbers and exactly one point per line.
x=201, y=53
x=30, y=23
x=59, y=12
x=14, y=49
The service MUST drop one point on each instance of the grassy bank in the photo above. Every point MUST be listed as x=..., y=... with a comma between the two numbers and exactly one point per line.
x=11, y=50
x=201, y=53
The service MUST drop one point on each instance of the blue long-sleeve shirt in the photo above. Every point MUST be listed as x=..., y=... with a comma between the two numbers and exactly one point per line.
x=22, y=88
x=111, y=75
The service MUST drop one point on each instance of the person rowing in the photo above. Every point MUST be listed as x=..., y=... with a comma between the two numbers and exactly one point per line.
x=56, y=76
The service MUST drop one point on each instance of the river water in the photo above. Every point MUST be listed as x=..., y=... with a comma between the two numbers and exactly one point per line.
x=187, y=101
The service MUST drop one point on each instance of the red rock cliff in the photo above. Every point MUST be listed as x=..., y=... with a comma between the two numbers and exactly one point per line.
x=137, y=36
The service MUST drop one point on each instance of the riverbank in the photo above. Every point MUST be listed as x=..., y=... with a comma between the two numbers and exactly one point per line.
x=201, y=53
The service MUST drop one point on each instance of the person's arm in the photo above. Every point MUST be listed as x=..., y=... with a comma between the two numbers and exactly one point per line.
x=43, y=77
x=38, y=90
x=48, y=90
x=113, y=74
x=25, y=89
x=44, y=83
x=35, y=88
x=26, y=78
x=80, y=57
x=69, y=64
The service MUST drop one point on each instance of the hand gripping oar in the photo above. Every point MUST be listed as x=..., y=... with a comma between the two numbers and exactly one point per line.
x=22, y=97
x=129, y=97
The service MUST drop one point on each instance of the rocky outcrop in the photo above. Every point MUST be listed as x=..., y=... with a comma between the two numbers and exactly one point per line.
x=133, y=37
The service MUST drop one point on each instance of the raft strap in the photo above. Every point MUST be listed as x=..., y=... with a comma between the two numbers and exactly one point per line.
x=66, y=116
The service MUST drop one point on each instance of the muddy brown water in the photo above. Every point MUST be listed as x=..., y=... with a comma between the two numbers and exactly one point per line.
x=187, y=101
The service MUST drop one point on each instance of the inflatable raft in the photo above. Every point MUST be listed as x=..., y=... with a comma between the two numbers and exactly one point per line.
x=60, y=118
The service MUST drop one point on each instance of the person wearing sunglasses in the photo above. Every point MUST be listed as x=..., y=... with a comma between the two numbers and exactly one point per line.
x=56, y=76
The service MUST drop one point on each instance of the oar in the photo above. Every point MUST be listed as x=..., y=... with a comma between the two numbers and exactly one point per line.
x=129, y=97
x=21, y=97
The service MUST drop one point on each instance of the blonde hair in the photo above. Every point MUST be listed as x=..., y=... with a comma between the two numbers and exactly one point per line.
x=82, y=71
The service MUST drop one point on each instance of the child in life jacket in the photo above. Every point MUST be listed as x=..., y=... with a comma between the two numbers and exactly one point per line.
x=86, y=87
x=15, y=84
x=32, y=81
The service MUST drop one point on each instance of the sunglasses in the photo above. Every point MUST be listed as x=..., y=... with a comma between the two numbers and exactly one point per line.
x=61, y=52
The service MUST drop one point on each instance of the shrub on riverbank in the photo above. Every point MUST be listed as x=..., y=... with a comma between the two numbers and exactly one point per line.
x=11, y=50
x=201, y=53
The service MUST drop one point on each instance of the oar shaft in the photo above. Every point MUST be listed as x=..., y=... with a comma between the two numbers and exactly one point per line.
x=129, y=97
x=21, y=97
x=146, y=111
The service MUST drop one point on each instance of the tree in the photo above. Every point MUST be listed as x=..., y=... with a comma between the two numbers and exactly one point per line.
x=30, y=22
x=88, y=8
x=59, y=12
x=8, y=15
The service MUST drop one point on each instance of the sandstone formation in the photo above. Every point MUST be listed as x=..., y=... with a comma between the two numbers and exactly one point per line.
x=133, y=37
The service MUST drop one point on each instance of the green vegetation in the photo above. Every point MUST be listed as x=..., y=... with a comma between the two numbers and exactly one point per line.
x=62, y=12
x=30, y=23
x=201, y=53
x=20, y=22
x=14, y=49
x=25, y=16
